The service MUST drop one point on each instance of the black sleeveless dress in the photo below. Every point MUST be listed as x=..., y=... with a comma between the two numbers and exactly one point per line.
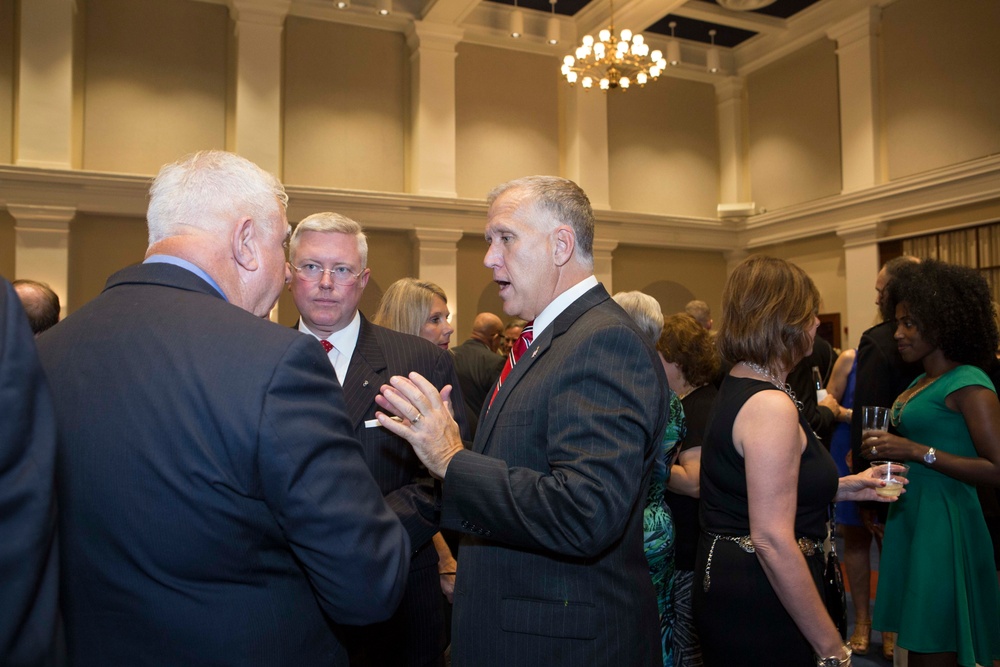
x=740, y=619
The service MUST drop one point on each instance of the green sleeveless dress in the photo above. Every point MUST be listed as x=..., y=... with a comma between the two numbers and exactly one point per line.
x=937, y=586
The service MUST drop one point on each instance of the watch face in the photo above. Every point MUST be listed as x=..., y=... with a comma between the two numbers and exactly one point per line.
x=930, y=456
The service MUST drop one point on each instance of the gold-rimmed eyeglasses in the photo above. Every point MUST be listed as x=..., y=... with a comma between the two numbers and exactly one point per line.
x=340, y=275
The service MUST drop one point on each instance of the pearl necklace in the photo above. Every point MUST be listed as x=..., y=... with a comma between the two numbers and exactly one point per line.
x=773, y=379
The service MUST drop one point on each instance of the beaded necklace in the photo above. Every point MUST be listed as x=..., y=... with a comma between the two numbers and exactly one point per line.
x=773, y=379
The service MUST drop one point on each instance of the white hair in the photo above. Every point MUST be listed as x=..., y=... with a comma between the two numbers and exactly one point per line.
x=330, y=223
x=208, y=190
x=645, y=310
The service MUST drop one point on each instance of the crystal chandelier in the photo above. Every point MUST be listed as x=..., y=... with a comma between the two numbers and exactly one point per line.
x=613, y=61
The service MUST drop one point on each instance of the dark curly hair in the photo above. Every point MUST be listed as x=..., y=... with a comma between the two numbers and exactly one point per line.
x=952, y=308
x=689, y=345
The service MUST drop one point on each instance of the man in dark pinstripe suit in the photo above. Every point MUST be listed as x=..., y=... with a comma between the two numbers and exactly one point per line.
x=551, y=496
x=327, y=273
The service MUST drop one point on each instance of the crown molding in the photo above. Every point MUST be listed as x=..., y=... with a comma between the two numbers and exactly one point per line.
x=113, y=194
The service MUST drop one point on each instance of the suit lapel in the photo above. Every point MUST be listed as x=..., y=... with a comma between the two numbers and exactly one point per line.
x=365, y=374
x=539, y=347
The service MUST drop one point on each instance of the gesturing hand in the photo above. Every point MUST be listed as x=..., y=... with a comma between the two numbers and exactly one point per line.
x=423, y=418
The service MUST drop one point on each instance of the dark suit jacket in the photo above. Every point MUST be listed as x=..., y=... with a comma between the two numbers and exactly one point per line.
x=882, y=375
x=478, y=369
x=28, y=555
x=554, y=494
x=820, y=417
x=417, y=628
x=214, y=505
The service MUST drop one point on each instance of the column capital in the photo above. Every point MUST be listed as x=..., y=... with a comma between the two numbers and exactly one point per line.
x=859, y=26
x=865, y=231
x=605, y=246
x=728, y=89
x=434, y=238
x=264, y=12
x=425, y=35
x=41, y=218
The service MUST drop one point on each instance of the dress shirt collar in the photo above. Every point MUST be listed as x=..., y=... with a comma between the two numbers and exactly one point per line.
x=561, y=303
x=184, y=264
x=344, y=341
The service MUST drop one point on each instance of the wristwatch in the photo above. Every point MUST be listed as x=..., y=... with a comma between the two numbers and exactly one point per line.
x=834, y=661
x=930, y=457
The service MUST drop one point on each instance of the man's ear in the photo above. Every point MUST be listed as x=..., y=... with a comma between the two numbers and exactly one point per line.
x=244, y=244
x=288, y=274
x=565, y=244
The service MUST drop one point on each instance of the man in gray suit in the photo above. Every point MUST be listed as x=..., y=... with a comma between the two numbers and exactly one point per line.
x=551, y=496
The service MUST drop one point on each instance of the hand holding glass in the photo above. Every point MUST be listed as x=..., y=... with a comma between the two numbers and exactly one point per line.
x=875, y=419
x=893, y=474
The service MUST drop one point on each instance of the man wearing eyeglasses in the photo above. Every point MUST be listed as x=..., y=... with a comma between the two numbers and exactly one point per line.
x=327, y=273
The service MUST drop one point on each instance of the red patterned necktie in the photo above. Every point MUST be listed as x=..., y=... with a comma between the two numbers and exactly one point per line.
x=327, y=345
x=519, y=348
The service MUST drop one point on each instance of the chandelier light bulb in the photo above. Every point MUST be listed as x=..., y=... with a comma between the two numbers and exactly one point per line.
x=604, y=35
x=587, y=82
x=588, y=40
x=571, y=77
x=605, y=84
x=626, y=35
x=640, y=78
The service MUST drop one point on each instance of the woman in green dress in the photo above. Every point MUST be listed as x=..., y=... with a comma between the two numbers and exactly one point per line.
x=937, y=588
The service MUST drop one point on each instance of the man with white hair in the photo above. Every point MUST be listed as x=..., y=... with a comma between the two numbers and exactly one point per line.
x=550, y=499
x=214, y=505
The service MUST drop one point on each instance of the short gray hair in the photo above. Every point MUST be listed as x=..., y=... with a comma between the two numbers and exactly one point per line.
x=645, y=310
x=330, y=223
x=700, y=311
x=208, y=190
x=560, y=200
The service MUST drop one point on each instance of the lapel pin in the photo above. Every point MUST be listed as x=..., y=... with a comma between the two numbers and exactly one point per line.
x=535, y=353
x=365, y=384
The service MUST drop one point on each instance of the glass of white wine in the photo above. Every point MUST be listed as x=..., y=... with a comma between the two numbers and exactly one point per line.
x=893, y=474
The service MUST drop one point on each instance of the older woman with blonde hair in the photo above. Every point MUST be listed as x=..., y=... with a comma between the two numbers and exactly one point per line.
x=766, y=485
x=416, y=307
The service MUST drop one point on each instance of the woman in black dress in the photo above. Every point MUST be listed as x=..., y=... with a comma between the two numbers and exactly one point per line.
x=766, y=485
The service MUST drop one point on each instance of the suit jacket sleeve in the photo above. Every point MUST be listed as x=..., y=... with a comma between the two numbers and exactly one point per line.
x=322, y=494
x=418, y=504
x=28, y=556
x=594, y=429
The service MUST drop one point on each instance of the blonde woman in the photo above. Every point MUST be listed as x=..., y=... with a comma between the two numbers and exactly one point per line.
x=416, y=307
